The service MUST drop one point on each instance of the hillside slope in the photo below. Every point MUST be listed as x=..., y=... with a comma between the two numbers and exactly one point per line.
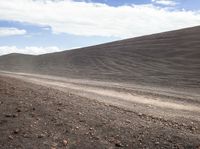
x=170, y=59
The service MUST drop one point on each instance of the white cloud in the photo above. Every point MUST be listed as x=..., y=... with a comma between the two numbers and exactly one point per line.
x=5, y=31
x=94, y=19
x=28, y=50
x=165, y=2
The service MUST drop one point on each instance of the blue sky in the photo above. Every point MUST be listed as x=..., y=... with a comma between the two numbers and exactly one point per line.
x=181, y=4
x=43, y=26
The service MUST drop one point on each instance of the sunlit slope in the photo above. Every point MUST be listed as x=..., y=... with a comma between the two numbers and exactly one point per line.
x=165, y=59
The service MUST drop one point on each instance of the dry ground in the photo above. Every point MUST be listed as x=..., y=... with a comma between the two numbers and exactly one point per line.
x=170, y=59
x=38, y=117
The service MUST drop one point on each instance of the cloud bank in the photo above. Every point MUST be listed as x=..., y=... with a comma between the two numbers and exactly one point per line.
x=165, y=2
x=5, y=31
x=28, y=50
x=95, y=19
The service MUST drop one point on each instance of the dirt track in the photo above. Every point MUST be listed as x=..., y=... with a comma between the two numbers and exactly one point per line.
x=49, y=110
x=170, y=60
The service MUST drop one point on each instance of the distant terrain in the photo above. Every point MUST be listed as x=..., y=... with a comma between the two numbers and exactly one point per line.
x=139, y=93
x=170, y=59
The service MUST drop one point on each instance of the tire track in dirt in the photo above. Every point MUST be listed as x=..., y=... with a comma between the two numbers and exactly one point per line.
x=112, y=96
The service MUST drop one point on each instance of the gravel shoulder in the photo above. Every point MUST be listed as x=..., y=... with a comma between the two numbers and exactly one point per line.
x=35, y=116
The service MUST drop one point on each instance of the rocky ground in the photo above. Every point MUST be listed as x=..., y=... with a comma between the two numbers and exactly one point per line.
x=37, y=117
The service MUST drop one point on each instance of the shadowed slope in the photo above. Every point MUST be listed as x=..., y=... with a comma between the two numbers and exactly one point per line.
x=169, y=59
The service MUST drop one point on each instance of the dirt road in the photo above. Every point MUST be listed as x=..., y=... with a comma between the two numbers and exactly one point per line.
x=115, y=114
x=131, y=97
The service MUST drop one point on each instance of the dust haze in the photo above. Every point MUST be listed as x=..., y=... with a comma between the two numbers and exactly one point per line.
x=142, y=92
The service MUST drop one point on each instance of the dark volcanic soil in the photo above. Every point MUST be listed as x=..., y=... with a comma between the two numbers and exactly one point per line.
x=170, y=59
x=36, y=117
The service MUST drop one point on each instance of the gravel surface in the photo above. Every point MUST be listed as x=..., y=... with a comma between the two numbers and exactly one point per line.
x=38, y=117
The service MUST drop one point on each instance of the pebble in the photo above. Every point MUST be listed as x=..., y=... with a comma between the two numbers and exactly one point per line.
x=10, y=137
x=8, y=115
x=81, y=120
x=54, y=145
x=15, y=115
x=18, y=110
x=192, y=128
x=157, y=143
x=65, y=142
x=16, y=131
x=25, y=136
x=59, y=109
x=183, y=124
x=60, y=103
x=97, y=138
x=140, y=114
x=118, y=144
x=41, y=136
x=128, y=121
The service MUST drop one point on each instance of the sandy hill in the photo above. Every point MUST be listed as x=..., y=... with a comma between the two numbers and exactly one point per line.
x=170, y=59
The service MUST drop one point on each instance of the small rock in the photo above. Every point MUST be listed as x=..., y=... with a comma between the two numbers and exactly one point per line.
x=60, y=103
x=65, y=142
x=54, y=144
x=41, y=136
x=118, y=144
x=192, y=128
x=157, y=143
x=10, y=137
x=15, y=115
x=97, y=138
x=32, y=114
x=183, y=124
x=140, y=114
x=128, y=121
x=81, y=120
x=16, y=131
x=25, y=136
x=18, y=110
x=59, y=109
x=8, y=115
x=90, y=128
x=67, y=131
x=87, y=133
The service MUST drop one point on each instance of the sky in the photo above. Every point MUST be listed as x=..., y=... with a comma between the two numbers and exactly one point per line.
x=45, y=26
